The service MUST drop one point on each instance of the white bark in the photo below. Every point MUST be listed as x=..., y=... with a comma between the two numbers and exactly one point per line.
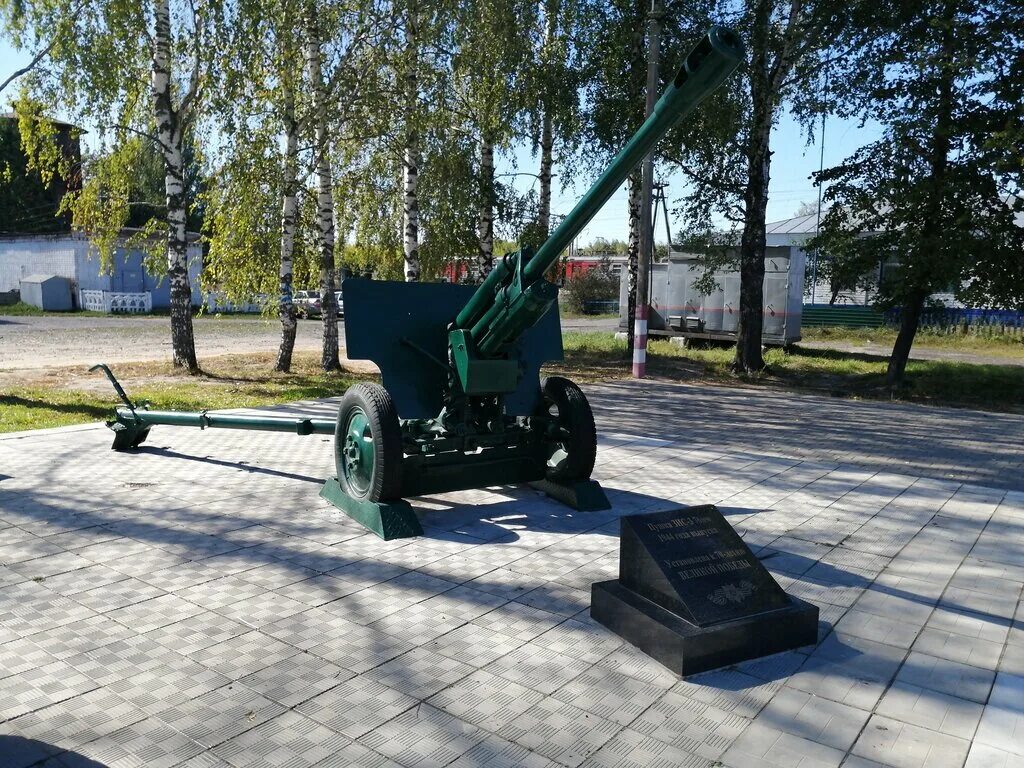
x=485, y=226
x=329, y=358
x=410, y=159
x=289, y=212
x=547, y=140
x=169, y=135
x=633, y=251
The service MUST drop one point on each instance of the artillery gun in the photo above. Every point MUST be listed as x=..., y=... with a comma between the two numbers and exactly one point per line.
x=462, y=404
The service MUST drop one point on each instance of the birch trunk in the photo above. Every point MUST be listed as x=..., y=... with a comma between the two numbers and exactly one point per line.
x=547, y=139
x=329, y=356
x=485, y=228
x=411, y=160
x=547, y=143
x=633, y=252
x=169, y=135
x=289, y=210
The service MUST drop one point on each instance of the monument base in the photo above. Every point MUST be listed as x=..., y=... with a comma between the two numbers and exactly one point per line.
x=687, y=649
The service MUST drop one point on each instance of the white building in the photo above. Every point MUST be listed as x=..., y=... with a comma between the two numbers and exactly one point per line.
x=126, y=287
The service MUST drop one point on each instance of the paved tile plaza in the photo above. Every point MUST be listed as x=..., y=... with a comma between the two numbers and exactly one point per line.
x=196, y=604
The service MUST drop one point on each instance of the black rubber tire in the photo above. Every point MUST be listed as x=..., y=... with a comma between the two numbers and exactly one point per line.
x=575, y=415
x=376, y=403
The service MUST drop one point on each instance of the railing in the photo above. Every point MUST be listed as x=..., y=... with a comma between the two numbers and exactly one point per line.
x=113, y=302
x=984, y=322
x=601, y=307
x=217, y=301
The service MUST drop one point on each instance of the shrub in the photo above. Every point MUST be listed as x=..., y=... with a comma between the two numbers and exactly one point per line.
x=592, y=285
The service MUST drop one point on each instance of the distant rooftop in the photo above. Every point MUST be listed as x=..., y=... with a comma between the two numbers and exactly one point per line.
x=55, y=121
x=807, y=225
x=798, y=225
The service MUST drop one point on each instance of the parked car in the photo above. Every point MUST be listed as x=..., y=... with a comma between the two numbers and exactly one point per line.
x=341, y=304
x=307, y=303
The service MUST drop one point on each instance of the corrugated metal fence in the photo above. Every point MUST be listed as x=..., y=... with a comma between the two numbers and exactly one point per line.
x=981, y=321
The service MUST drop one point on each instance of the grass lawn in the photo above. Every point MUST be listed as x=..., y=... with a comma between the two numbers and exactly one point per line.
x=73, y=396
x=595, y=356
x=986, y=341
x=21, y=309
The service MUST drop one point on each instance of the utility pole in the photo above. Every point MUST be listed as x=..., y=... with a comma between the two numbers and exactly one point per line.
x=646, y=184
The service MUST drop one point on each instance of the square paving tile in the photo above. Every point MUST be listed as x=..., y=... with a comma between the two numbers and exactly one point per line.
x=150, y=743
x=814, y=718
x=486, y=700
x=220, y=714
x=361, y=649
x=766, y=747
x=288, y=740
x=610, y=695
x=693, y=726
x=75, y=721
x=424, y=736
x=474, y=645
x=40, y=687
x=494, y=752
x=243, y=655
x=357, y=706
x=176, y=680
x=902, y=745
x=421, y=673
x=849, y=670
x=729, y=690
x=945, y=676
x=560, y=731
x=630, y=749
x=154, y=613
x=1002, y=724
x=296, y=679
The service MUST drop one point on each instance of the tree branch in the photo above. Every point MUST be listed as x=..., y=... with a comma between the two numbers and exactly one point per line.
x=42, y=53
x=188, y=100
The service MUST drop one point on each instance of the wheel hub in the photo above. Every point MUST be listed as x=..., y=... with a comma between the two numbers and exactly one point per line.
x=357, y=453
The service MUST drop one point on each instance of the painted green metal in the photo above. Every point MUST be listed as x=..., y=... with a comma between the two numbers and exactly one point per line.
x=388, y=519
x=142, y=418
x=705, y=68
x=356, y=454
x=403, y=329
x=461, y=365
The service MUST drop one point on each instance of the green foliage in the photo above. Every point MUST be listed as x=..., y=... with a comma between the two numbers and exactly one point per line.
x=934, y=197
x=27, y=202
x=596, y=284
x=597, y=356
x=244, y=226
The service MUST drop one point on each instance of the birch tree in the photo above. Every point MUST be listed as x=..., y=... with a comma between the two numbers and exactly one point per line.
x=272, y=110
x=132, y=69
x=488, y=72
x=329, y=355
x=411, y=148
x=556, y=76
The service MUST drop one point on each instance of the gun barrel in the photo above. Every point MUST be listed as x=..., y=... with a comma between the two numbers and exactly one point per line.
x=711, y=61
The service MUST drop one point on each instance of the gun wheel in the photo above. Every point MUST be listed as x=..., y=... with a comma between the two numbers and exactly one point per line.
x=572, y=444
x=368, y=444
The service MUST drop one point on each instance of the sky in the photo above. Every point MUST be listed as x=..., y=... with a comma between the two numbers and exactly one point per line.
x=792, y=164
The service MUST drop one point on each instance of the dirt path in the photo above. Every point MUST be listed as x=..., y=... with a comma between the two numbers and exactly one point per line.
x=916, y=353
x=32, y=344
